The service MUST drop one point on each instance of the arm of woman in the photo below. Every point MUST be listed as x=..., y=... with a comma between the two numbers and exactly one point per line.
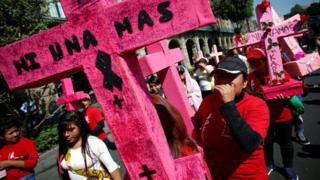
x=29, y=160
x=116, y=174
x=102, y=152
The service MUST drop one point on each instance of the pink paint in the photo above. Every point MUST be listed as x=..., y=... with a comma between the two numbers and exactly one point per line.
x=215, y=53
x=89, y=41
x=303, y=66
x=163, y=61
x=70, y=97
x=290, y=88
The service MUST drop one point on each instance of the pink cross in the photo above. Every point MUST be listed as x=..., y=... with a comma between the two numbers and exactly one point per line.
x=163, y=61
x=301, y=63
x=92, y=40
x=269, y=36
x=70, y=99
x=216, y=54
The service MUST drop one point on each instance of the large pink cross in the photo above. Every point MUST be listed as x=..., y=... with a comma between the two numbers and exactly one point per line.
x=302, y=63
x=91, y=40
x=163, y=61
x=215, y=54
x=268, y=36
x=70, y=97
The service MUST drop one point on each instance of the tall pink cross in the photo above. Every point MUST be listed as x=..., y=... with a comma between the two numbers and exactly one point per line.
x=92, y=40
x=301, y=63
x=163, y=61
x=268, y=36
x=215, y=53
x=70, y=97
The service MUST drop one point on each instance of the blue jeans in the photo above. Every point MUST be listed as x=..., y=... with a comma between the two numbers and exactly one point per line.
x=28, y=177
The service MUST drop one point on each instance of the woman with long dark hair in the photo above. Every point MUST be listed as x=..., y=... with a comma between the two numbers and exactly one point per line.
x=180, y=143
x=81, y=155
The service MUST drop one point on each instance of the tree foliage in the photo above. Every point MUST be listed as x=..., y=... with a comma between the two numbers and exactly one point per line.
x=235, y=10
x=313, y=9
x=21, y=18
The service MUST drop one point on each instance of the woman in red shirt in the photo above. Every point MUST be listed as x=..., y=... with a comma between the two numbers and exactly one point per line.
x=18, y=156
x=280, y=115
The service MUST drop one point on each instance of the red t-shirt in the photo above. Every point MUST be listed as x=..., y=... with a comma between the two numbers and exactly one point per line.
x=279, y=111
x=93, y=116
x=226, y=159
x=25, y=149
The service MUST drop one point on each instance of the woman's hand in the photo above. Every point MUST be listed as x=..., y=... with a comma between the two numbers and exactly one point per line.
x=281, y=97
x=115, y=175
x=226, y=91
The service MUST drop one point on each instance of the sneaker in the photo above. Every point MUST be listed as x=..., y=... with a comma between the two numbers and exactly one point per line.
x=270, y=168
x=302, y=139
x=291, y=174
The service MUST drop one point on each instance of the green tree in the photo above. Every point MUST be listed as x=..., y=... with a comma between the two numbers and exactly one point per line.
x=296, y=9
x=235, y=10
x=313, y=9
x=21, y=18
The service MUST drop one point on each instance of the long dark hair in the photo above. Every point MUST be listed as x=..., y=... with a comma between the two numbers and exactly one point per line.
x=173, y=126
x=78, y=119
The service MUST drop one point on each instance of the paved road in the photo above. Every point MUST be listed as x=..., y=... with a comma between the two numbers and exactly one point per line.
x=307, y=158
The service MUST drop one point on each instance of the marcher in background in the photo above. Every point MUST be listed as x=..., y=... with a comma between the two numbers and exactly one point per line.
x=154, y=85
x=191, y=87
x=95, y=120
x=18, y=156
x=81, y=155
x=280, y=114
x=202, y=73
x=233, y=125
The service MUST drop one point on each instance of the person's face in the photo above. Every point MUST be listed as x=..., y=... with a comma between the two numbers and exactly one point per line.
x=72, y=133
x=258, y=65
x=182, y=77
x=85, y=103
x=154, y=88
x=222, y=77
x=12, y=135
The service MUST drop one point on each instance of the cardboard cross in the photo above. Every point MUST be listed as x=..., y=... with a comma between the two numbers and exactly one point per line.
x=301, y=63
x=268, y=36
x=162, y=60
x=94, y=34
x=215, y=54
x=71, y=98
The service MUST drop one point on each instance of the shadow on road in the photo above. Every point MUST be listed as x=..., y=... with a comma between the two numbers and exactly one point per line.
x=310, y=151
x=314, y=102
